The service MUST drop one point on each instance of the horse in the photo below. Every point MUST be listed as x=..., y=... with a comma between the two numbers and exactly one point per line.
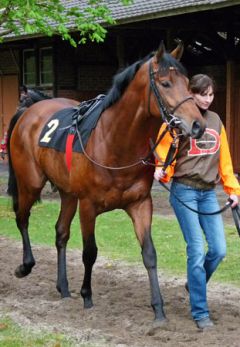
x=27, y=97
x=110, y=173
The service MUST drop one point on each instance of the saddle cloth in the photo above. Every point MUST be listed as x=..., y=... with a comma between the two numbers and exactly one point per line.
x=85, y=117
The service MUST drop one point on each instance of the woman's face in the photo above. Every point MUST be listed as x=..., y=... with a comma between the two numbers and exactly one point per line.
x=205, y=99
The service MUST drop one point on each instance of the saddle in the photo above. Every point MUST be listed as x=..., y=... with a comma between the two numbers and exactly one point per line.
x=86, y=108
x=60, y=131
x=83, y=118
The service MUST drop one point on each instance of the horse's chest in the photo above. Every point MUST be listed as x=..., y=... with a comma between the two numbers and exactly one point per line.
x=121, y=197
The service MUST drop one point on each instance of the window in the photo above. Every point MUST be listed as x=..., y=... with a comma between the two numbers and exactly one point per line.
x=38, y=67
x=29, y=67
x=46, y=66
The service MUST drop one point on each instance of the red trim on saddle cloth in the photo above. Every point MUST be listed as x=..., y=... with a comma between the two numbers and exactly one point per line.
x=68, y=152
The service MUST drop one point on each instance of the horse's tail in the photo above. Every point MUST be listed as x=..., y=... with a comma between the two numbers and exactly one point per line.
x=12, y=182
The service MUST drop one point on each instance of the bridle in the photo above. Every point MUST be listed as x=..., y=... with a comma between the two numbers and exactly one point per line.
x=167, y=116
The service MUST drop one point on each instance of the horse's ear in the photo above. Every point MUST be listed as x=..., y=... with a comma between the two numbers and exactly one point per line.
x=161, y=50
x=178, y=51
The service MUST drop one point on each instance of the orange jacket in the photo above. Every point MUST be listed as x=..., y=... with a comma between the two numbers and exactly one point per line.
x=225, y=168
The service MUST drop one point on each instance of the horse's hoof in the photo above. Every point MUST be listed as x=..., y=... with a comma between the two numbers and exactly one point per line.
x=88, y=303
x=22, y=271
x=156, y=325
x=64, y=292
x=160, y=322
x=65, y=295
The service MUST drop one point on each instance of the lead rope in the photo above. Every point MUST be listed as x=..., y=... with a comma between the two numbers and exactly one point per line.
x=236, y=218
x=224, y=208
x=169, y=160
x=235, y=210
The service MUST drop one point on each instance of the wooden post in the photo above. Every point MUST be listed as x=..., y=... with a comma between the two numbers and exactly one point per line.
x=229, y=103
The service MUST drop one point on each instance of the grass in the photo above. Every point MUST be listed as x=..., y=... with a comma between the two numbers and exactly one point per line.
x=116, y=238
x=13, y=336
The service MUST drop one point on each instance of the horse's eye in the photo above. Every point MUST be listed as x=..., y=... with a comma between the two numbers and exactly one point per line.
x=166, y=84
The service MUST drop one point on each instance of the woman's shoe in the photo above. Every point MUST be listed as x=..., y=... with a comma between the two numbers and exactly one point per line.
x=204, y=323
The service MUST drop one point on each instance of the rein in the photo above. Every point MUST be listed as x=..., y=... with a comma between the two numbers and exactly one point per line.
x=140, y=161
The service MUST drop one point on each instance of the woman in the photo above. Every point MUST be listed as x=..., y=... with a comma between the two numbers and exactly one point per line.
x=198, y=167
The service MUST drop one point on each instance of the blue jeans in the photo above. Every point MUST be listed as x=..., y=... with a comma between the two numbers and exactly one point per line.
x=200, y=265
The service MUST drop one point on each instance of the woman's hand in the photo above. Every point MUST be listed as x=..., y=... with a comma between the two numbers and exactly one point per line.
x=233, y=197
x=159, y=173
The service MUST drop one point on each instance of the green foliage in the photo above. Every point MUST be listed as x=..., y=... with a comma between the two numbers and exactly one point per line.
x=52, y=17
x=116, y=239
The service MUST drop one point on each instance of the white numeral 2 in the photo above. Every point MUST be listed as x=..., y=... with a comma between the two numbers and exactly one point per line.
x=53, y=124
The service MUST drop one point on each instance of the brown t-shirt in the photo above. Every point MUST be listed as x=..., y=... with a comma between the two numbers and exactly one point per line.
x=198, y=159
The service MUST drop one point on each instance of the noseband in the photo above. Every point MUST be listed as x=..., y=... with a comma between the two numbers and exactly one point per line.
x=168, y=116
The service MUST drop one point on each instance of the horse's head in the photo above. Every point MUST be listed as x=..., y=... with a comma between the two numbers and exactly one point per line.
x=169, y=84
x=25, y=99
x=29, y=97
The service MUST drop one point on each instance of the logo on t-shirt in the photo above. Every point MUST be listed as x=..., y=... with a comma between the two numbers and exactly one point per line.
x=209, y=143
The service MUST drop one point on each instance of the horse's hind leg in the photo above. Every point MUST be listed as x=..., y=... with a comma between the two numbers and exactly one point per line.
x=68, y=209
x=87, y=219
x=22, y=207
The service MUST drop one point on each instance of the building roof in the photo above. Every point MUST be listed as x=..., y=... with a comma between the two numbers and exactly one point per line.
x=141, y=10
x=150, y=9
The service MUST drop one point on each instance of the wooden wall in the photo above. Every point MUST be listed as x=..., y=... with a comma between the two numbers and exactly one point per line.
x=88, y=71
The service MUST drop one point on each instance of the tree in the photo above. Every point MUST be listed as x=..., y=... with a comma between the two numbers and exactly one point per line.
x=51, y=17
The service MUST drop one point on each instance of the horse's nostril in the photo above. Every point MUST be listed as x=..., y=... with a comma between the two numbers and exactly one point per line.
x=197, y=130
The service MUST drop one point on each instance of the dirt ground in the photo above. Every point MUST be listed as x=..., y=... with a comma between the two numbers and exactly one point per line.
x=121, y=316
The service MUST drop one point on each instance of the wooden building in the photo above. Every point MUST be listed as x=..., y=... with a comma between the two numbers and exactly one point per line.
x=210, y=32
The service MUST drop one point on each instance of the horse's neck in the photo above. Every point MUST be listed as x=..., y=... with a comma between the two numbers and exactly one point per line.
x=128, y=126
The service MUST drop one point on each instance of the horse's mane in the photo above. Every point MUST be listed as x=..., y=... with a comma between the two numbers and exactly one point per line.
x=122, y=79
x=120, y=82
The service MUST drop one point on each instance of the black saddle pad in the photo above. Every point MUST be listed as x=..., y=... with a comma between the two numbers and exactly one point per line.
x=85, y=117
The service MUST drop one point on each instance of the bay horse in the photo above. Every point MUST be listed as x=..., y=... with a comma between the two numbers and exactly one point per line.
x=109, y=174
x=27, y=97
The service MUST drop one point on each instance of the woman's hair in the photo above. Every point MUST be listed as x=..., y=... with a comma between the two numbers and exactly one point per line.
x=200, y=83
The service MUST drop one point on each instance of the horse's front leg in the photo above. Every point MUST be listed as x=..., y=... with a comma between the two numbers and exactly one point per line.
x=68, y=209
x=89, y=256
x=141, y=214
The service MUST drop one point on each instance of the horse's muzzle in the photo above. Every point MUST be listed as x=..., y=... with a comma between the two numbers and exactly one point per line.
x=197, y=130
